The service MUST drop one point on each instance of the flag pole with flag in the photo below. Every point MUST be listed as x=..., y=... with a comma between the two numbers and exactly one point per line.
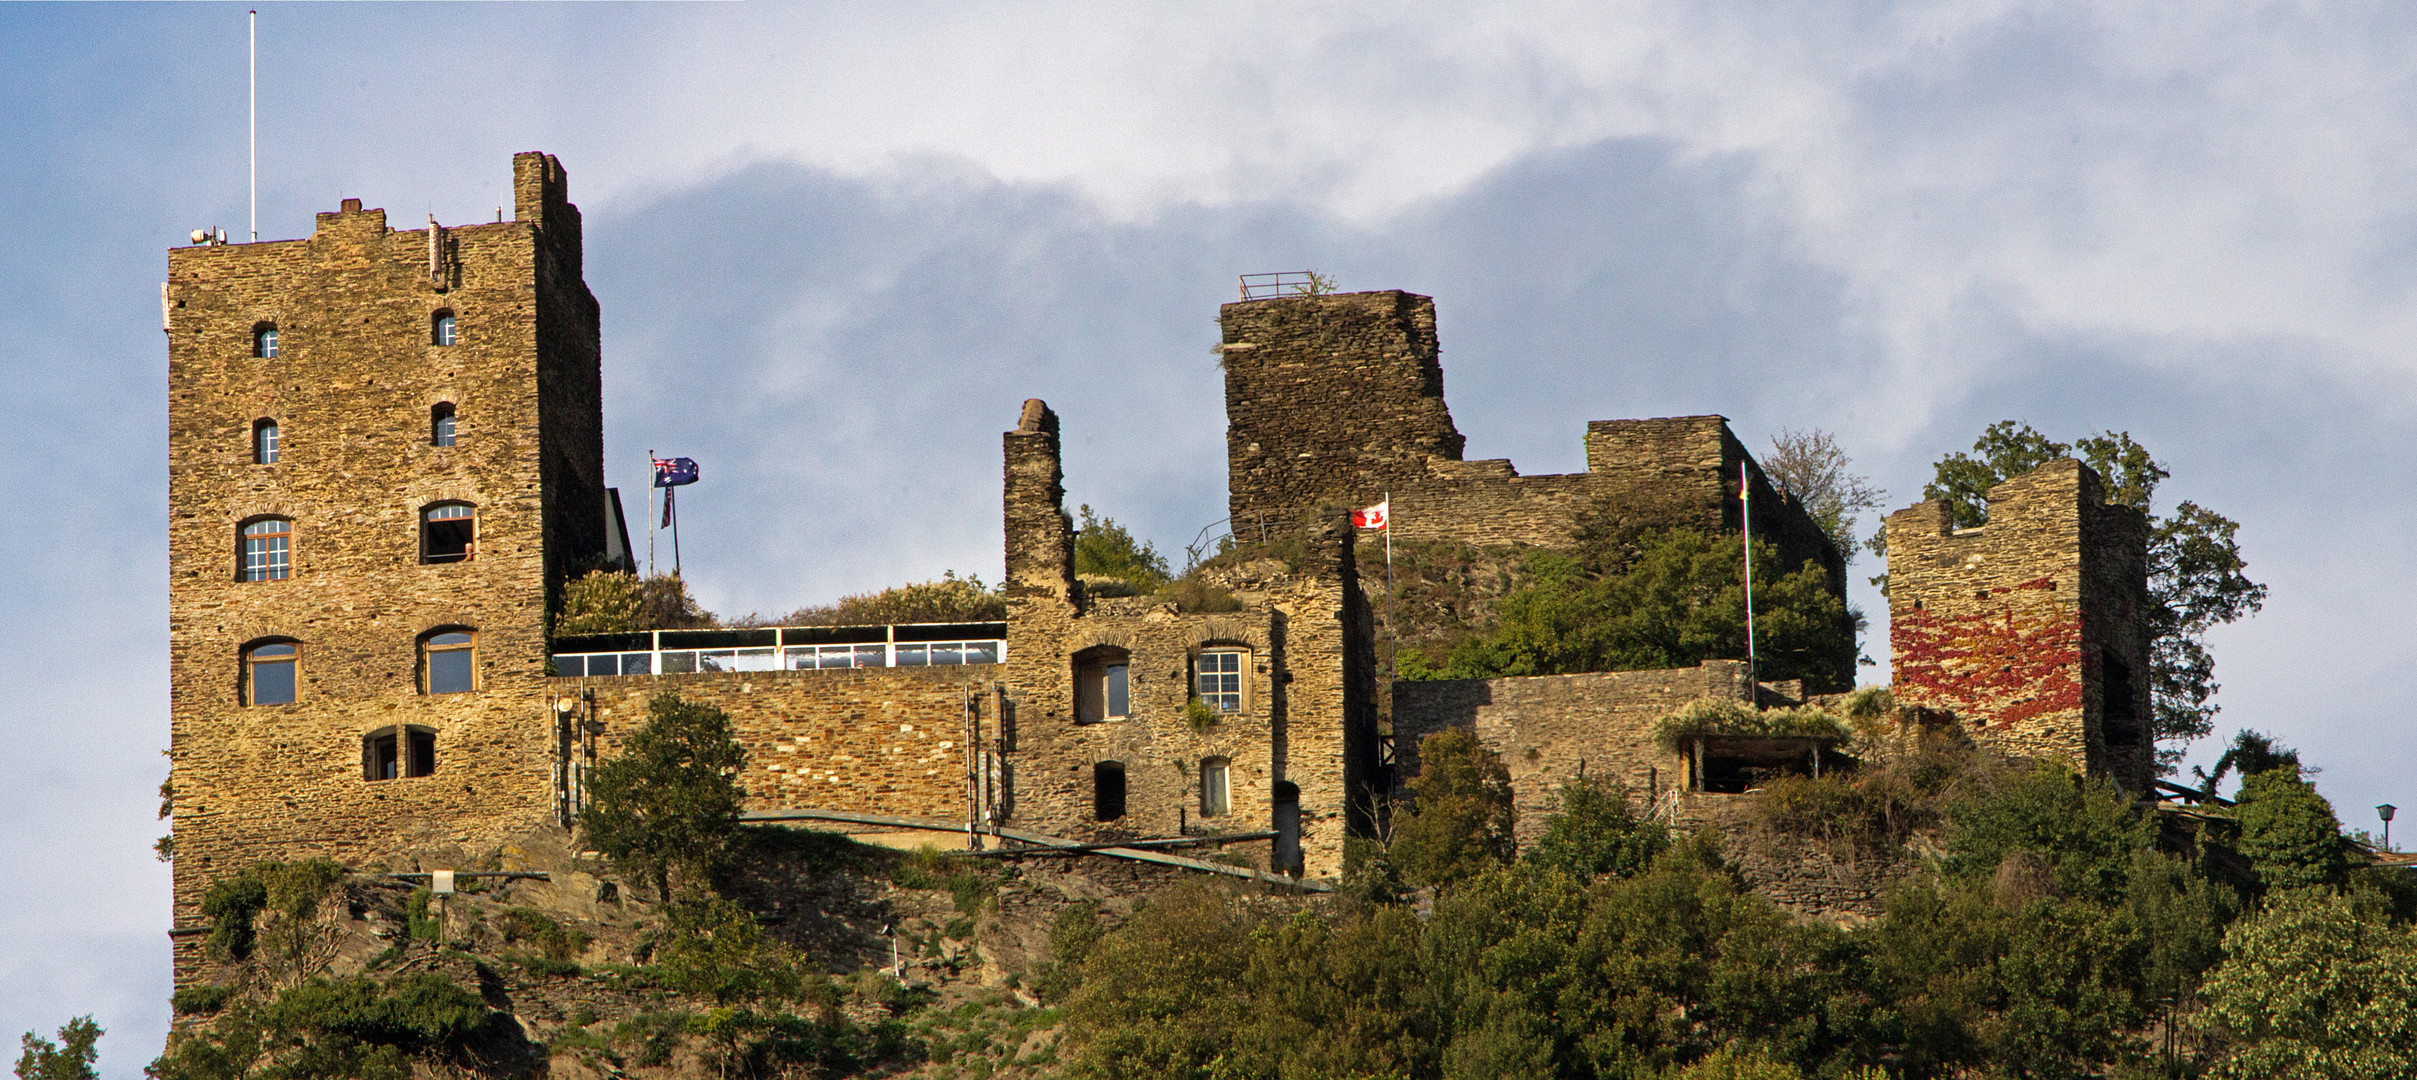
x=1745, y=521
x=670, y=474
x=1380, y=517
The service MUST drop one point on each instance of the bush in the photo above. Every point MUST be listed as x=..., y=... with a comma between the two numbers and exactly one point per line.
x=667, y=809
x=1595, y=834
x=199, y=1000
x=330, y=1029
x=2289, y=833
x=1104, y=549
x=1462, y=821
x=612, y=602
x=2313, y=988
x=950, y=599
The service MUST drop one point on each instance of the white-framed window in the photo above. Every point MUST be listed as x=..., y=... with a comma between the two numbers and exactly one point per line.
x=264, y=341
x=1216, y=797
x=1102, y=685
x=449, y=662
x=267, y=552
x=1220, y=678
x=269, y=673
x=448, y=532
x=440, y=424
x=264, y=442
x=440, y=329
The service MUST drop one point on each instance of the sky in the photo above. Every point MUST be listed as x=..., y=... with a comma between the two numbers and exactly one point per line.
x=836, y=247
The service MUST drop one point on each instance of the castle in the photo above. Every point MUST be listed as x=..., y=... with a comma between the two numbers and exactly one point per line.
x=386, y=460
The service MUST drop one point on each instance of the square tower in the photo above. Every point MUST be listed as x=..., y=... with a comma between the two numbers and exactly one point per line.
x=2030, y=627
x=385, y=456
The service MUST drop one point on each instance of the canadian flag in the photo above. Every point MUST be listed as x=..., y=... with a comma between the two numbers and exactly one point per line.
x=1373, y=517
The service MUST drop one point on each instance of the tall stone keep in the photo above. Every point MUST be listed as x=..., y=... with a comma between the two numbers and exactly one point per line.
x=1330, y=398
x=385, y=456
x=2030, y=627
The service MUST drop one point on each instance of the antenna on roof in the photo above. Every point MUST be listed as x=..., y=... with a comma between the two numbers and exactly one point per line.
x=254, y=18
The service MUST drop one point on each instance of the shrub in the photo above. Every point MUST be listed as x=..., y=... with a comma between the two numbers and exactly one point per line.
x=612, y=602
x=949, y=599
x=667, y=808
x=2289, y=833
x=1595, y=834
x=1462, y=821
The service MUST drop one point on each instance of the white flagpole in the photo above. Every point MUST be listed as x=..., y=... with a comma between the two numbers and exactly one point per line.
x=255, y=121
x=1393, y=635
x=650, y=513
x=1745, y=520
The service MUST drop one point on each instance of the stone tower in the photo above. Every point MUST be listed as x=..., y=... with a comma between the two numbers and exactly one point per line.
x=385, y=457
x=1330, y=398
x=2030, y=627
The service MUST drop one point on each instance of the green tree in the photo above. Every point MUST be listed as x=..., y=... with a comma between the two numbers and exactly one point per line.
x=2313, y=988
x=1463, y=817
x=1103, y=548
x=2289, y=833
x=667, y=809
x=2085, y=829
x=71, y=1058
x=2196, y=578
x=948, y=599
x=1594, y=833
x=1660, y=599
x=1810, y=470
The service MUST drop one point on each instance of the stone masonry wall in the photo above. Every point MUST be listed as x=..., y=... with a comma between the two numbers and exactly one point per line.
x=871, y=740
x=1307, y=637
x=351, y=391
x=2010, y=624
x=1337, y=401
x=1547, y=726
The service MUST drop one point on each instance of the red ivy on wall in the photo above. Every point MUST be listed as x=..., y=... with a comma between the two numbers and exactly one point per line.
x=1999, y=667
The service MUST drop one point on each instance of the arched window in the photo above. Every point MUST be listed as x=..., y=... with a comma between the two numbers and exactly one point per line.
x=440, y=423
x=1221, y=678
x=1216, y=796
x=448, y=532
x=264, y=341
x=448, y=662
x=267, y=552
x=406, y=750
x=264, y=442
x=268, y=672
x=1108, y=790
x=440, y=328
x=1102, y=685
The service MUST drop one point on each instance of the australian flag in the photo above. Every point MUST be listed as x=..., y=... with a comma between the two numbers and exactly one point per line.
x=673, y=472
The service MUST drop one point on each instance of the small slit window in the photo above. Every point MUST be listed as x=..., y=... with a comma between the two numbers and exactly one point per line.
x=448, y=662
x=1102, y=685
x=448, y=532
x=1218, y=678
x=266, y=551
x=440, y=423
x=268, y=673
x=402, y=751
x=1216, y=797
x=1108, y=790
x=440, y=328
x=264, y=341
x=264, y=442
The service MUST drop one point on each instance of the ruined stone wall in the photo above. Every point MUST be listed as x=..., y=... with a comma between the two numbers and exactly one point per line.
x=2010, y=625
x=870, y=740
x=1337, y=401
x=1306, y=632
x=1546, y=727
x=1330, y=397
x=351, y=391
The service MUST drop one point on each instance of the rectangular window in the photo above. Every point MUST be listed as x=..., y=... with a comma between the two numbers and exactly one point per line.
x=450, y=664
x=1119, y=699
x=1214, y=799
x=1220, y=679
x=272, y=675
x=267, y=550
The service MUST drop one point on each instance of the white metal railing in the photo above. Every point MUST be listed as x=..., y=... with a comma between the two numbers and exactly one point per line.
x=655, y=659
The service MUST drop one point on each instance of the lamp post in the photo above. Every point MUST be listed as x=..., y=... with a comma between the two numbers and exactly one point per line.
x=2385, y=811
